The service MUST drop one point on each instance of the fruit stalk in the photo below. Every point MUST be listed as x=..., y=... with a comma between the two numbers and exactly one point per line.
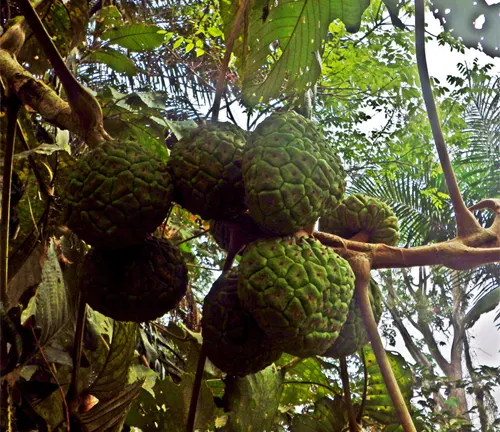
x=361, y=291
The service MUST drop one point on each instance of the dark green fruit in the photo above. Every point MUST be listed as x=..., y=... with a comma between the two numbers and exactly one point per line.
x=136, y=283
x=117, y=194
x=233, y=340
x=357, y=213
x=353, y=335
x=292, y=175
x=298, y=292
x=206, y=167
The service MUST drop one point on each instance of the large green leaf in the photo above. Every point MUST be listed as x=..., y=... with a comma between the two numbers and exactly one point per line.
x=113, y=376
x=285, y=44
x=115, y=60
x=168, y=409
x=260, y=392
x=305, y=382
x=135, y=37
x=328, y=416
x=379, y=405
x=50, y=305
x=110, y=415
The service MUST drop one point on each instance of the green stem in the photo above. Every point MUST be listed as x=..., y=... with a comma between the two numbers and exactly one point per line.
x=13, y=107
x=380, y=354
x=196, y=389
x=344, y=375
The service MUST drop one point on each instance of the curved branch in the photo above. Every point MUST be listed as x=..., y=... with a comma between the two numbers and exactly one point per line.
x=457, y=254
x=82, y=102
x=44, y=100
x=465, y=220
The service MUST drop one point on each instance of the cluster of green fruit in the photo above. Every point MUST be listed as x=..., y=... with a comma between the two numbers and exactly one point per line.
x=289, y=293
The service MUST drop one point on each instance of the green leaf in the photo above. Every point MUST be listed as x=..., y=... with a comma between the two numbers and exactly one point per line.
x=113, y=376
x=168, y=409
x=485, y=304
x=379, y=405
x=284, y=51
x=109, y=16
x=115, y=60
x=181, y=128
x=260, y=392
x=135, y=37
x=305, y=382
x=328, y=416
x=50, y=305
x=109, y=415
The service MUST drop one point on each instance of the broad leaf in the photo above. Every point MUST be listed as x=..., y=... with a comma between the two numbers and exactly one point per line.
x=328, y=416
x=115, y=60
x=135, y=37
x=168, y=409
x=113, y=376
x=50, y=305
x=110, y=415
x=379, y=405
x=305, y=382
x=260, y=392
x=285, y=44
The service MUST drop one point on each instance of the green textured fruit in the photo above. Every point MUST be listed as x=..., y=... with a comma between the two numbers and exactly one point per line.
x=136, y=283
x=298, y=292
x=206, y=167
x=233, y=340
x=353, y=335
x=117, y=194
x=357, y=213
x=292, y=176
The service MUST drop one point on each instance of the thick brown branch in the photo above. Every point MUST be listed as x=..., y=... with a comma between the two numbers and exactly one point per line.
x=82, y=102
x=41, y=98
x=458, y=254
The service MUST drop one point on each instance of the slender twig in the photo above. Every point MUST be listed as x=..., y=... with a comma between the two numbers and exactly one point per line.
x=196, y=389
x=465, y=220
x=365, y=386
x=344, y=375
x=74, y=390
x=192, y=237
x=221, y=79
x=65, y=405
x=13, y=107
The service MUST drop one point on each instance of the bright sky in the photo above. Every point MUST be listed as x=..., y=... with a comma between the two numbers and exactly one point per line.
x=486, y=343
